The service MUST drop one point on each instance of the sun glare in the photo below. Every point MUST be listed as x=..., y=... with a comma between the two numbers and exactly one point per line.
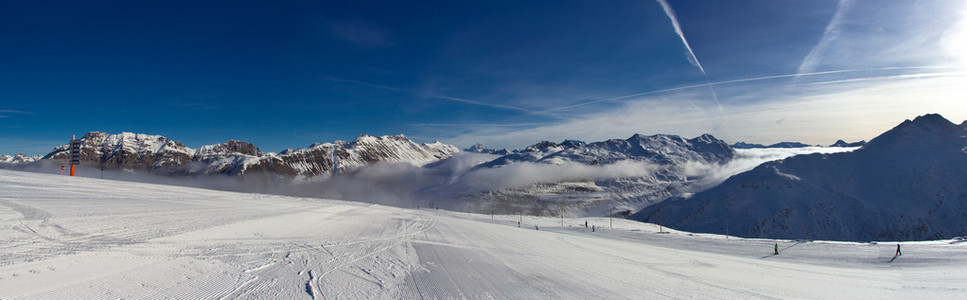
x=955, y=40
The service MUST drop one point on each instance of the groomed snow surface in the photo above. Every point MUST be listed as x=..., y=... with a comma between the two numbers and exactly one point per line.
x=63, y=237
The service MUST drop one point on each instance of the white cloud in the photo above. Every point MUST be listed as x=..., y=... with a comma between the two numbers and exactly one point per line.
x=527, y=173
x=710, y=175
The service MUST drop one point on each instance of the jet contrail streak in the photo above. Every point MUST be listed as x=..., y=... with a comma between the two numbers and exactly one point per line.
x=743, y=80
x=830, y=34
x=436, y=96
x=678, y=30
x=691, y=54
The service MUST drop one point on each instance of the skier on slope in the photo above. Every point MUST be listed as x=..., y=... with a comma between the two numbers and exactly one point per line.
x=776, y=249
x=898, y=253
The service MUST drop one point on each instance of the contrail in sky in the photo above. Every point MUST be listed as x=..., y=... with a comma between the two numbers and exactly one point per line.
x=751, y=79
x=437, y=96
x=830, y=34
x=690, y=54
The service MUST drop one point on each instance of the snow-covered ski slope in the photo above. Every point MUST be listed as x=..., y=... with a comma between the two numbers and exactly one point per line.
x=63, y=237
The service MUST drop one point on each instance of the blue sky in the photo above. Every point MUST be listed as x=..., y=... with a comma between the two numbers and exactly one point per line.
x=501, y=73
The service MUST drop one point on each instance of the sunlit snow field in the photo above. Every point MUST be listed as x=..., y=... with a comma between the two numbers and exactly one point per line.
x=63, y=237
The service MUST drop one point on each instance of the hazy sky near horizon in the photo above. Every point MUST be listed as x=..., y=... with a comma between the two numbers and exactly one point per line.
x=500, y=73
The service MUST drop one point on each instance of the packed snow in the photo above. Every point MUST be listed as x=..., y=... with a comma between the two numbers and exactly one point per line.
x=73, y=237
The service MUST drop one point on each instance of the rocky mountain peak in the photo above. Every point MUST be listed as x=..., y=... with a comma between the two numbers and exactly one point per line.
x=229, y=147
x=541, y=146
x=573, y=144
x=931, y=130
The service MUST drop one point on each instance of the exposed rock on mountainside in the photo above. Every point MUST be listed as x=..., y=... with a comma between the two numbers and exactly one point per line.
x=160, y=155
x=478, y=148
x=18, y=159
x=127, y=150
x=317, y=159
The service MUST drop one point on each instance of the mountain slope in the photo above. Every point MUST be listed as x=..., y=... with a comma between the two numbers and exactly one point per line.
x=161, y=155
x=906, y=184
x=317, y=160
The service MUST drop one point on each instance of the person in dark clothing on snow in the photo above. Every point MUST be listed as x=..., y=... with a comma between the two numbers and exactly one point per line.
x=898, y=253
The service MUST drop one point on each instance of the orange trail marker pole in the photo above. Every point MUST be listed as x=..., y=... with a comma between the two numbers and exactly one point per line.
x=72, y=153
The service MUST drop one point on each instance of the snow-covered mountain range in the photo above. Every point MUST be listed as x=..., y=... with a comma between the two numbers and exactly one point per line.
x=546, y=178
x=575, y=177
x=18, y=159
x=909, y=183
x=161, y=155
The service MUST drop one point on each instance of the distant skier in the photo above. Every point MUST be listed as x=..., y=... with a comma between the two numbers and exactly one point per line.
x=61, y=170
x=592, y=228
x=776, y=249
x=535, y=227
x=585, y=224
x=898, y=253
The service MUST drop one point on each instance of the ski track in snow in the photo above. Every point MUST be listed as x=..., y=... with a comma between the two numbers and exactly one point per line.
x=68, y=237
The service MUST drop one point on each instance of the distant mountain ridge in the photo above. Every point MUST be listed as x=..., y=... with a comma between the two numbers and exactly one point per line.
x=743, y=145
x=161, y=155
x=547, y=177
x=479, y=148
x=629, y=173
x=18, y=159
x=659, y=148
x=841, y=143
x=908, y=183
x=838, y=143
